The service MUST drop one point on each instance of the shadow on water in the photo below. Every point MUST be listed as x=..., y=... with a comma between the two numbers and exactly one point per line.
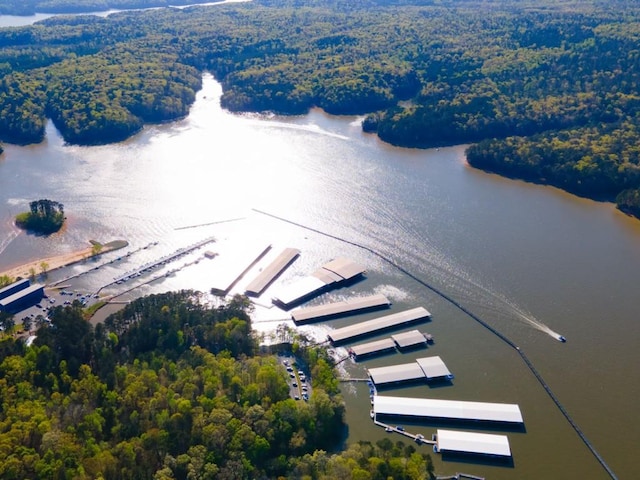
x=490, y=426
x=478, y=459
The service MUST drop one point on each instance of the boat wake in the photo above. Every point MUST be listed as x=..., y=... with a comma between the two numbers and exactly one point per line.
x=499, y=305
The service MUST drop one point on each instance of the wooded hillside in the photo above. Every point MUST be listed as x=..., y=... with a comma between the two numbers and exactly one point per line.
x=562, y=75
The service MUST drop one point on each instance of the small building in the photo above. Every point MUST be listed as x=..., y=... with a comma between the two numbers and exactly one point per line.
x=22, y=299
x=13, y=288
x=468, y=443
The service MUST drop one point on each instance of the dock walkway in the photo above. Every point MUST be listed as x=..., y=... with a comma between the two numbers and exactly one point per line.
x=419, y=439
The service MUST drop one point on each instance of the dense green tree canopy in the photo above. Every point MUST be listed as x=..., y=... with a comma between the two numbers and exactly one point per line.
x=172, y=388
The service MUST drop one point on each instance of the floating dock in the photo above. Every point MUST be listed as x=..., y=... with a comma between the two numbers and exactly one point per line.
x=231, y=268
x=328, y=276
x=347, y=307
x=451, y=441
x=428, y=368
x=447, y=410
x=272, y=271
x=387, y=322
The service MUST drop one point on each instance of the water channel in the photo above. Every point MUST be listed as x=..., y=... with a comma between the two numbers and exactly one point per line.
x=529, y=260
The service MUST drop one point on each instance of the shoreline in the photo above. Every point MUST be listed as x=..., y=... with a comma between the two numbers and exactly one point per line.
x=63, y=260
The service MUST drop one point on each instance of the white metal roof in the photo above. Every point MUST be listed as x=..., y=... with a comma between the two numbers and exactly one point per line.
x=14, y=287
x=433, y=367
x=409, y=339
x=298, y=290
x=468, y=442
x=271, y=271
x=7, y=301
x=336, y=308
x=380, y=323
x=372, y=347
x=344, y=267
x=447, y=409
x=396, y=373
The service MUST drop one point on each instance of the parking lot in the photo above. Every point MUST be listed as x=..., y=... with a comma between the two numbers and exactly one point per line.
x=299, y=384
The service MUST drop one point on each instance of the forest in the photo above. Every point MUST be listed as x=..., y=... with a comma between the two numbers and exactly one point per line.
x=548, y=90
x=171, y=388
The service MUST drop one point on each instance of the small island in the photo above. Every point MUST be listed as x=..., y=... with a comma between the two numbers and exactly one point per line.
x=45, y=216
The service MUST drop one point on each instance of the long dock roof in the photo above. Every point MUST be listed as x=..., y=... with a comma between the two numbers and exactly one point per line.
x=447, y=409
x=338, y=308
x=405, y=372
x=373, y=347
x=271, y=271
x=377, y=324
x=470, y=442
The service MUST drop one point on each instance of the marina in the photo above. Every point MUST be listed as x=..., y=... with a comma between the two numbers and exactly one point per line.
x=395, y=320
x=335, y=309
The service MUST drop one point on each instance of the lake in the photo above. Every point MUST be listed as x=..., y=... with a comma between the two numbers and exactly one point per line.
x=529, y=260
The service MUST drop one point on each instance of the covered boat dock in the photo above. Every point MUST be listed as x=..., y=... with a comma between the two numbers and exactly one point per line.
x=346, y=307
x=401, y=341
x=412, y=339
x=457, y=442
x=328, y=276
x=395, y=320
x=427, y=369
x=462, y=411
x=271, y=271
